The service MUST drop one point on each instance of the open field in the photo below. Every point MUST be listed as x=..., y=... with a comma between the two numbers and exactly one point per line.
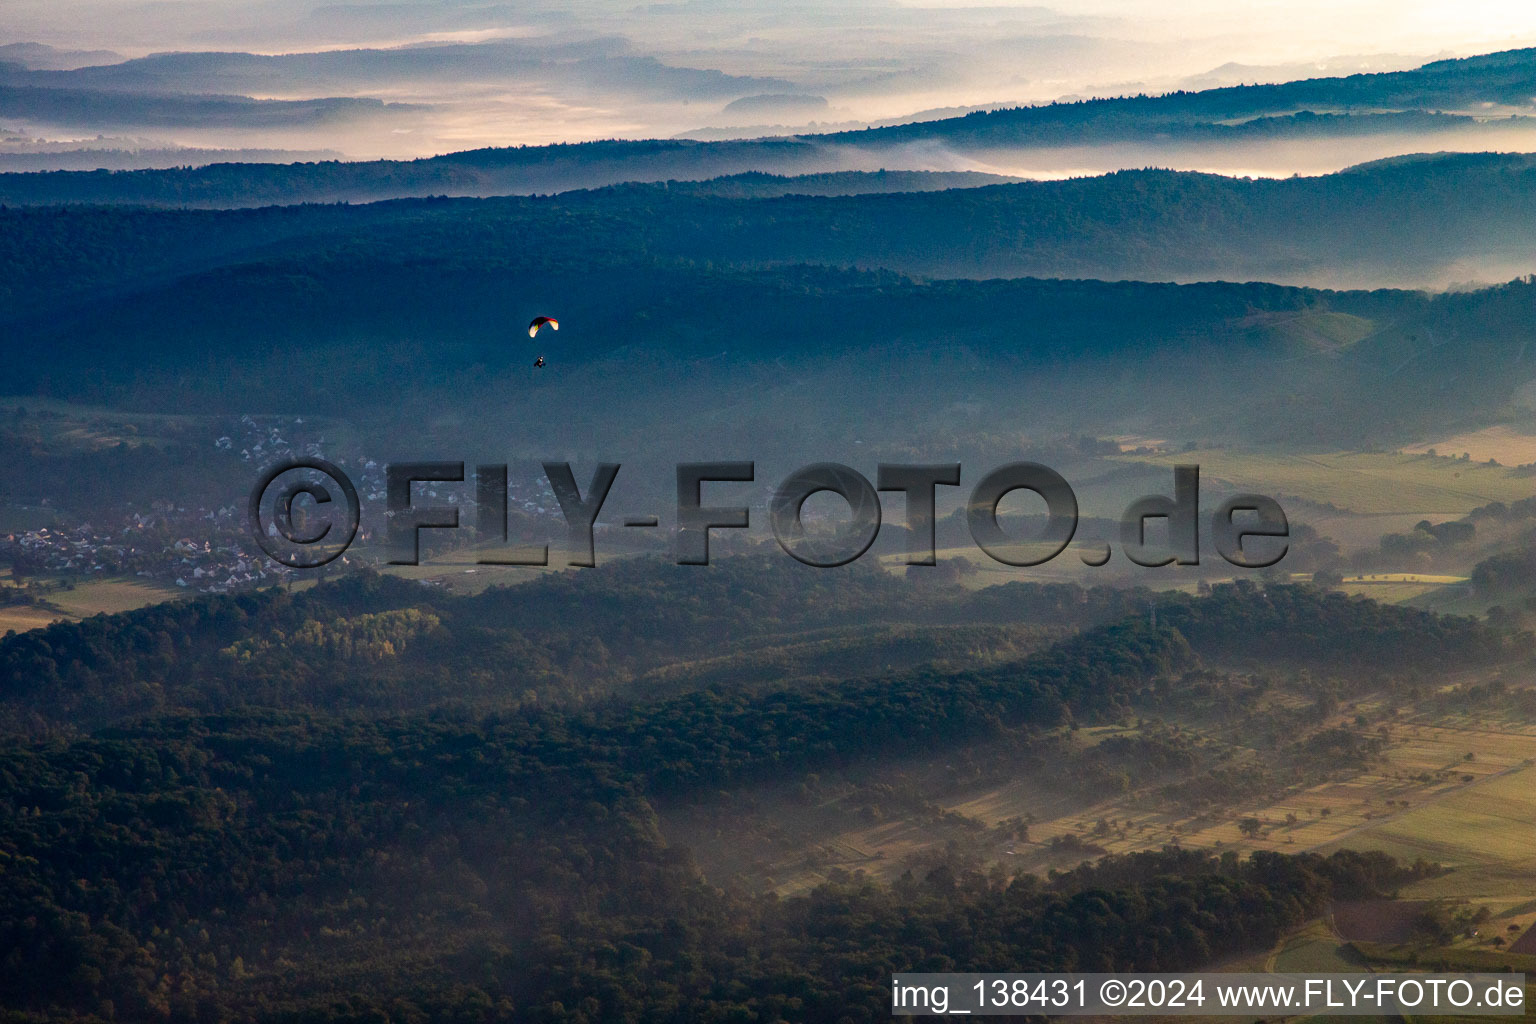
x=84, y=599
x=1397, y=957
x=1378, y=920
x=1397, y=587
x=1506, y=444
x=1387, y=578
x=92, y=597
x=1423, y=798
x=1398, y=923
x=1316, y=950
x=111, y=596
x=1371, y=483
x=1424, y=765
x=1484, y=831
x=24, y=617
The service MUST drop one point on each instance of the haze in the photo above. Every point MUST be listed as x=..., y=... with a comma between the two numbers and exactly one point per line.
x=417, y=78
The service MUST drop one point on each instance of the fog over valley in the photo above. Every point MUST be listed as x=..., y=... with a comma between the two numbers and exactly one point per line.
x=420, y=79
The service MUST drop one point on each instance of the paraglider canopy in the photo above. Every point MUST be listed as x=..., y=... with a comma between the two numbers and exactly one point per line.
x=540, y=321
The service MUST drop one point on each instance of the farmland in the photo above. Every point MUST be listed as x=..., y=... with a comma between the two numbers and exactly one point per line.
x=110, y=596
x=1483, y=830
x=1450, y=787
x=1394, y=587
x=1314, y=950
x=81, y=600
x=22, y=618
x=1367, y=483
x=1503, y=443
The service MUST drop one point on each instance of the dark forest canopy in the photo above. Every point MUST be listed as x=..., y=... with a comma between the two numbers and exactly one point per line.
x=296, y=307
x=1146, y=224
x=282, y=867
x=384, y=644
x=342, y=331
x=296, y=856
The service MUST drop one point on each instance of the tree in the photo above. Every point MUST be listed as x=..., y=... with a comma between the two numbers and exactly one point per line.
x=1327, y=578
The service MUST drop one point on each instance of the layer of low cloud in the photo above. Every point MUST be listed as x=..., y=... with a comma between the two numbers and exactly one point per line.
x=418, y=77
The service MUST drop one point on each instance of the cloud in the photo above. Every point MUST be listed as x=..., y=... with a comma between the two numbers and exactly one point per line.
x=458, y=95
x=119, y=109
x=593, y=65
x=499, y=72
x=37, y=56
x=777, y=105
x=19, y=153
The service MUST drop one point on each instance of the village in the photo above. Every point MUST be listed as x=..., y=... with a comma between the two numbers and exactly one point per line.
x=210, y=550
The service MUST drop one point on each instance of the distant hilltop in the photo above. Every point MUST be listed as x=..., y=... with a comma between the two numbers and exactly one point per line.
x=1473, y=103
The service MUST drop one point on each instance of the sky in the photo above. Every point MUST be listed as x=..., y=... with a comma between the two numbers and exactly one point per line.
x=417, y=77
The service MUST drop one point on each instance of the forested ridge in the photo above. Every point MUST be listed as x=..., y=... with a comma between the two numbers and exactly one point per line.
x=304, y=307
x=1440, y=96
x=378, y=643
x=283, y=867
x=276, y=862
x=661, y=333
x=1141, y=223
